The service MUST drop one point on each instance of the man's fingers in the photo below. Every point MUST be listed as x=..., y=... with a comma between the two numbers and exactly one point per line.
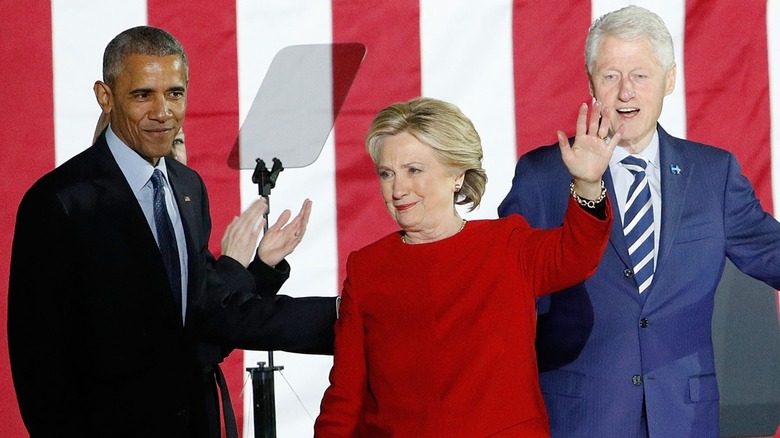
x=283, y=218
x=564, y=145
x=305, y=212
x=616, y=137
x=595, y=117
x=582, y=120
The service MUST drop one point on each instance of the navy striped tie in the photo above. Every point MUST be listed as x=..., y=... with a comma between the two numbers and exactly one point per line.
x=166, y=237
x=638, y=223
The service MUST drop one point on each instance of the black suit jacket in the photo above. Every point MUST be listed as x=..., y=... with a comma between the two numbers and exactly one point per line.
x=96, y=346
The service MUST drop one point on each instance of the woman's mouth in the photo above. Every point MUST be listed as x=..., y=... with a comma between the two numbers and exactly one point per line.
x=405, y=207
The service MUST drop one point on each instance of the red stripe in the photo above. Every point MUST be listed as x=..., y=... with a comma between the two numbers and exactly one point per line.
x=27, y=112
x=208, y=32
x=549, y=68
x=727, y=94
x=390, y=73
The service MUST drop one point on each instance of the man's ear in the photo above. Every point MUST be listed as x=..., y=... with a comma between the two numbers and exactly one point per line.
x=103, y=96
x=671, y=78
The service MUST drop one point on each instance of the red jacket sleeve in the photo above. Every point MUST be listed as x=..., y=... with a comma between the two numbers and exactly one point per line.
x=342, y=403
x=562, y=257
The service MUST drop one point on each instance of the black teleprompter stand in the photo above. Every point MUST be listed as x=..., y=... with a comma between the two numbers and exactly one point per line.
x=263, y=393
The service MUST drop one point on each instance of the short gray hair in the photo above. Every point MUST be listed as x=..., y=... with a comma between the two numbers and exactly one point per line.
x=141, y=40
x=631, y=23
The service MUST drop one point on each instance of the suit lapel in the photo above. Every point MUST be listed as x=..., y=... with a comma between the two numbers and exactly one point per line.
x=187, y=195
x=676, y=173
x=125, y=220
x=673, y=190
x=119, y=203
x=187, y=202
x=616, y=238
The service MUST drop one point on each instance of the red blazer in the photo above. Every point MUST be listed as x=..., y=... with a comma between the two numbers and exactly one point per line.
x=438, y=339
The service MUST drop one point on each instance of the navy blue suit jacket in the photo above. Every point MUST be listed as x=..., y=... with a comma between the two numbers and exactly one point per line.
x=602, y=347
x=96, y=344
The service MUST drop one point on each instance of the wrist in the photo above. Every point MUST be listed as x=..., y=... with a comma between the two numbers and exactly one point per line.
x=586, y=202
x=268, y=260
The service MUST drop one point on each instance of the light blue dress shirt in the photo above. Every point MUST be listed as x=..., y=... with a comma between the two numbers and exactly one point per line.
x=138, y=173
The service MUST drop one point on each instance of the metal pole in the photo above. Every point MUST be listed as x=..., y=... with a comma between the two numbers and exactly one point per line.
x=264, y=403
x=263, y=390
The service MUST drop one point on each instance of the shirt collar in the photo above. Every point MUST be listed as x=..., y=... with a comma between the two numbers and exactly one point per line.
x=136, y=169
x=650, y=153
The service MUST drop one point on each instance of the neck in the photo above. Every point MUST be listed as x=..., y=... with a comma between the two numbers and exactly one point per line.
x=638, y=145
x=450, y=229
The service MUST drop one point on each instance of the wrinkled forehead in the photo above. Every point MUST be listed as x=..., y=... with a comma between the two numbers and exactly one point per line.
x=622, y=53
x=153, y=72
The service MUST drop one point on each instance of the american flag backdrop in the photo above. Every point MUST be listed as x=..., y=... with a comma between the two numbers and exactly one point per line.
x=515, y=67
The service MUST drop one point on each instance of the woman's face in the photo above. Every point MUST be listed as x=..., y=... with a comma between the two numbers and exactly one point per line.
x=417, y=188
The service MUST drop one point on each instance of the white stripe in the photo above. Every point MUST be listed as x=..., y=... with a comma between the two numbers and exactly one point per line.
x=640, y=240
x=640, y=214
x=79, y=36
x=643, y=262
x=773, y=53
x=264, y=28
x=634, y=167
x=645, y=284
x=467, y=59
x=636, y=193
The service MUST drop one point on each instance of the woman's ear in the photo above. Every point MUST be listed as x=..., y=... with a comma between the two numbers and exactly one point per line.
x=459, y=181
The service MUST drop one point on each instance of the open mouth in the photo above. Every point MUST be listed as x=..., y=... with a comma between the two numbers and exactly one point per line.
x=627, y=111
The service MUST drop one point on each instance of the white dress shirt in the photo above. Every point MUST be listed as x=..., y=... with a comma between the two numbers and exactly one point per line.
x=622, y=179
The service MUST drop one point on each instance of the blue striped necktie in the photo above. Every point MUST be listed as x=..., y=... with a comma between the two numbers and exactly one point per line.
x=166, y=237
x=638, y=223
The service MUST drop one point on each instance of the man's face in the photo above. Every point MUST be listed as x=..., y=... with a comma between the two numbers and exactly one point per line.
x=628, y=77
x=148, y=102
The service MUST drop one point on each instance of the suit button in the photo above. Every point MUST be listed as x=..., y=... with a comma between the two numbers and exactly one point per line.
x=627, y=272
x=644, y=323
x=636, y=379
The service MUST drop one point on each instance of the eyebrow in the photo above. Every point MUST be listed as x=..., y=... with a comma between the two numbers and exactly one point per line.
x=150, y=90
x=141, y=91
x=404, y=165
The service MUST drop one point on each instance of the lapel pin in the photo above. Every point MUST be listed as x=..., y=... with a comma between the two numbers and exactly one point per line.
x=676, y=170
x=186, y=198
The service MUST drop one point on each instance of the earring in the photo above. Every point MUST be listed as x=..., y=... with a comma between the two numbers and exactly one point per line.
x=457, y=188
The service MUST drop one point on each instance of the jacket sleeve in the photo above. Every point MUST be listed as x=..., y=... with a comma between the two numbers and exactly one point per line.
x=236, y=307
x=41, y=329
x=752, y=234
x=540, y=189
x=343, y=400
x=562, y=257
x=269, y=279
x=238, y=318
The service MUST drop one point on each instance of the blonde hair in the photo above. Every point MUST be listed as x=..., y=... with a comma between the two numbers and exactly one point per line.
x=445, y=129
